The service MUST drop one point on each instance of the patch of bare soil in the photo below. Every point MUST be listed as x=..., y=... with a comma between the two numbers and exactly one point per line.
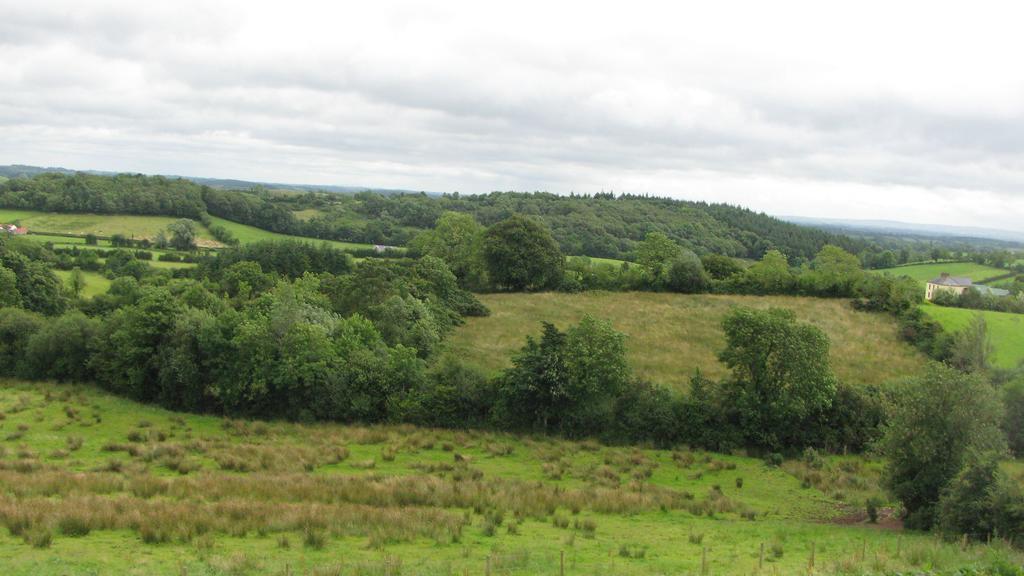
x=887, y=519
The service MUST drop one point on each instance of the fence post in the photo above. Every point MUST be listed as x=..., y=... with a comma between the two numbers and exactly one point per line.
x=899, y=544
x=487, y=571
x=561, y=563
x=704, y=561
x=810, y=564
x=863, y=549
x=760, y=559
x=963, y=543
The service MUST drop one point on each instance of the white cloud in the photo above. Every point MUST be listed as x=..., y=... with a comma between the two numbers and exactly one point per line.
x=911, y=111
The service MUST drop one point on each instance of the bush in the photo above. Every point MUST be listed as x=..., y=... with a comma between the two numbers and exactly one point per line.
x=871, y=506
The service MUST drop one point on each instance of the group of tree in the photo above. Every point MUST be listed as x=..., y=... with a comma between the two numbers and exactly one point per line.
x=310, y=336
x=973, y=299
x=944, y=442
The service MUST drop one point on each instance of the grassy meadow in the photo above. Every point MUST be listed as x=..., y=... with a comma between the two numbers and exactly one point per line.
x=671, y=335
x=594, y=260
x=95, y=283
x=978, y=273
x=138, y=227
x=247, y=234
x=94, y=484
x=129, y=226
x=1005, y=329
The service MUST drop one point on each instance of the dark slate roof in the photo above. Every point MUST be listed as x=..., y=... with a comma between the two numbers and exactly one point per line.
x=951, y=281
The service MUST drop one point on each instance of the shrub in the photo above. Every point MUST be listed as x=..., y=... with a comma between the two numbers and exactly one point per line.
x=314, y=538
x=871, y=505
x=39, y=537
x=74, y=526
x=75, y=443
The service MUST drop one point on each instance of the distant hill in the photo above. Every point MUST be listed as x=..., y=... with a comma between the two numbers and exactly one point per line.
x=24, y=171
x=600, y=225
x=896, y=228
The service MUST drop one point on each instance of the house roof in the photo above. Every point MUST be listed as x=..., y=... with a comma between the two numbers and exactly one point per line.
x=945, y=280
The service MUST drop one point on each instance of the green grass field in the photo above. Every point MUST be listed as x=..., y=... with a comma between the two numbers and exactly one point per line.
x=95, y=283
x=671, y=335
x=594, y=260
x=1005, y=329
x=129, y=226
x=925, y=272
x=307, y=214
x=247, y=234
x=138, y=227
x=93, y=484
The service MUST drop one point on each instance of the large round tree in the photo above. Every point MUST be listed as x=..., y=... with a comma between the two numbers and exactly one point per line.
x=522, y=255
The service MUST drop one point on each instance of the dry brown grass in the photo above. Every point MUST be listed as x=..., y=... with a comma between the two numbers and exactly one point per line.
x=671, y=335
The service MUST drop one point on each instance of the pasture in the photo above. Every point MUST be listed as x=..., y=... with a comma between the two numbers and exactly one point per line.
x=95, y=283
x=129, y=226
x=91, y=483
x=247, y=234
x=978, y=273
x=671, y=335
x=1006, y=330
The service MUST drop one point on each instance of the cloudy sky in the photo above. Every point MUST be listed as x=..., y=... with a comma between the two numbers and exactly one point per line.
x=909, y=111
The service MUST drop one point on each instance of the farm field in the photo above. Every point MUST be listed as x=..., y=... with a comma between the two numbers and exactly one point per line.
x=95, y=283
x=138, y=227
x=1005, y=329
x=671, y=335
x=247, y=234
x=594, y=260
x=91, y=483
x=129, y=226
x=925, y=272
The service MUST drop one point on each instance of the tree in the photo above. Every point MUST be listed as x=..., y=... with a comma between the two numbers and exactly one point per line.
x=457, y=239
x=780, y=373
x=965, y=506
x=656, y=252
x=772, y=274
x=835, y=271
x=566, y=382
x=686, y=274
x=521, y=255
x=77, y=281
x=887, y=259
x=1013, y=423
x=9, y=294
x=183, y=234
x=16, y=328
x=972, y=347
x=720, y=267
x=41, y=290
x=935, y=421
x=60, y=349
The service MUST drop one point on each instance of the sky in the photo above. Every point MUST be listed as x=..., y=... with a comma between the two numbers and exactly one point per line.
x=910, y=111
